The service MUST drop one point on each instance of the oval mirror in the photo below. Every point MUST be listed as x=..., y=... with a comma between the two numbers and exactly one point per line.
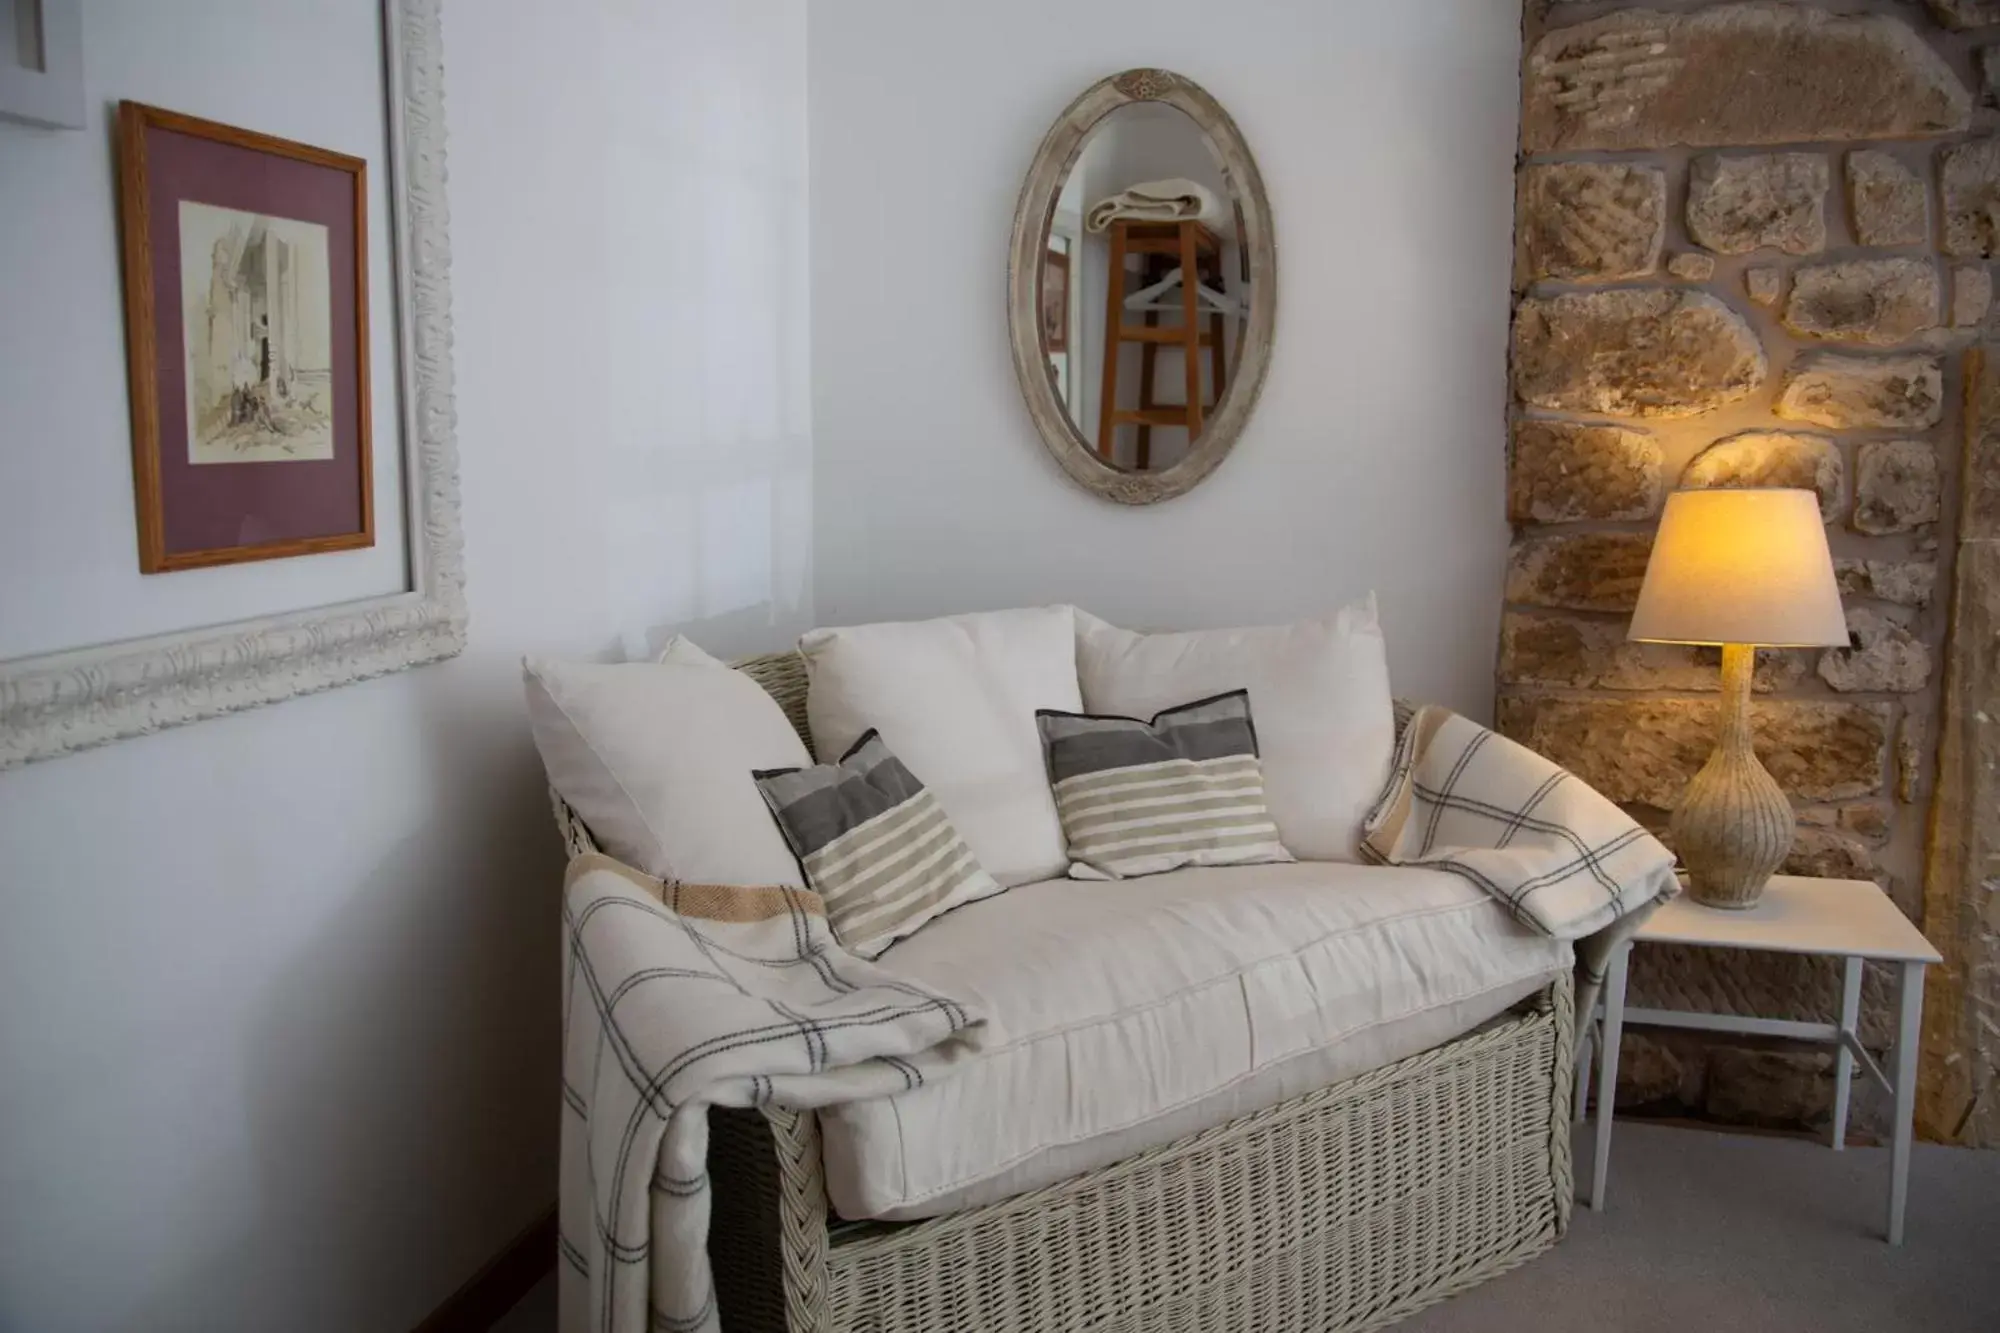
x=1138, y=377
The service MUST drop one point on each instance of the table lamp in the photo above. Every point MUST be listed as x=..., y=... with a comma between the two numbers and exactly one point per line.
x=1740, y=569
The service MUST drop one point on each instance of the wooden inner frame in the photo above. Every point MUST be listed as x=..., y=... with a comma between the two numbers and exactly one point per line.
x=141, y=350
x=1058, y=153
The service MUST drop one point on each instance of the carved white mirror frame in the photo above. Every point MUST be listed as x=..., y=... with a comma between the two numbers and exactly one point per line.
x=1052, y=164
x=58, y=703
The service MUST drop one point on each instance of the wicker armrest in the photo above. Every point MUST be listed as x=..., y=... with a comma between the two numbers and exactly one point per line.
x=768, y=1234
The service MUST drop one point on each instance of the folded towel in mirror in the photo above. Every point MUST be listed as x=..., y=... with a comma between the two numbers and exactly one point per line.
x=1172, y=200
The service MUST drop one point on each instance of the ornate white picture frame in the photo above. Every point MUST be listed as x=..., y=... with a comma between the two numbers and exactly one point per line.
x=41, y=64
x=58, y=703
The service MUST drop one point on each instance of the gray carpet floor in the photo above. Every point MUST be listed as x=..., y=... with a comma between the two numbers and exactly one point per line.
x=1716, y=1233
x=1724, y=1233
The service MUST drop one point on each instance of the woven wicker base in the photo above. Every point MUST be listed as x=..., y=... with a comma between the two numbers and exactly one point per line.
x=1344, y=1209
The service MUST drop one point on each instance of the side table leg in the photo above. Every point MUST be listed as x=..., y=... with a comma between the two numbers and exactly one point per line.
x=1843, y=1063
x=1607, y=1072
x=1909, y=1033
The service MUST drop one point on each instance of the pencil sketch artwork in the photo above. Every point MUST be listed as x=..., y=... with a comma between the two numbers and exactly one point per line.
x=259, y=335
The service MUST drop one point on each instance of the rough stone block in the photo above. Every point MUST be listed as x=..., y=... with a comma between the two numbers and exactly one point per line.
x=1849, y=392
x=1778, y=669
x=1963, y=14
x=1650, y=1073
x=1879, y=301
x=1705, y=79
x=1885, y=658
x=1911, y=734
x=1979, y=475
x=1826, y=854
x=1772, y=458
x=1988, y=61
x=1589, y=221
x=1643, y=751
x=1560, y=651
x=1562, y=471
x=1969, y=180
x=1588, y=571
x=1904, y=582
x=1873, y=822
x=1823, y=751
x=1764, y=284
x=1887, y=201
x=1538, y=649
x=1634, y=352
x=1774, y=1088
x=1962, y=880
x=1907, y=892
x=1971, y=296
x=1692, y=267
x=1737, y=204
x=1896, y=486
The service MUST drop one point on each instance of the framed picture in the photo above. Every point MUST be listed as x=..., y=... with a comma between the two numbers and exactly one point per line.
x=246, y=330
x=1055, y=295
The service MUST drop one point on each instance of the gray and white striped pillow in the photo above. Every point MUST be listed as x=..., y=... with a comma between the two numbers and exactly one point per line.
x=1137, y=798
x=874, y=844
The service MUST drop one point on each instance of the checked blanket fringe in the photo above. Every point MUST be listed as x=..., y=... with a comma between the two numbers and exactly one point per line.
x=681, y=997
x=1562, y=859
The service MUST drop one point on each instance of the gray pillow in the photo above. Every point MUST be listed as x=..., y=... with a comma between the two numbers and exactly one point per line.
x=874, y=844
x=1138, y=798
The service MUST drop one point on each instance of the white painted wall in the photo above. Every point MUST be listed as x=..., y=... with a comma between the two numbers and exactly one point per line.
x=1375, y=459
x=278, y=993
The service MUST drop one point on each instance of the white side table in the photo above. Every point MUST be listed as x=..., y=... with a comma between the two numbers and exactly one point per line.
x=1849, y=919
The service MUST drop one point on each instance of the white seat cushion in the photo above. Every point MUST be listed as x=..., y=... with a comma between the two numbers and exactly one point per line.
x=955, y=699
x=1132, y=1013
x=1319, y=690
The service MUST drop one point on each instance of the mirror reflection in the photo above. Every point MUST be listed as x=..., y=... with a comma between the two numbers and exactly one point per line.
x=1139, y=353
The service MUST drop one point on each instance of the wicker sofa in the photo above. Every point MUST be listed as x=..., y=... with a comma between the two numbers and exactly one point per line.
x=1346, y=1208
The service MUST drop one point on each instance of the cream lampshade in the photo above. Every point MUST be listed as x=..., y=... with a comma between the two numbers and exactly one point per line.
x=1738, y=568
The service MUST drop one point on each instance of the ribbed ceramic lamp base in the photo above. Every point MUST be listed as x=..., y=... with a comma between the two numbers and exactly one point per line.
x=1733, y=827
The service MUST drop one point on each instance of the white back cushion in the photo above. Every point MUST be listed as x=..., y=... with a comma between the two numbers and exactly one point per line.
x=656, y=757
x=1319, y=691
x=955, y=698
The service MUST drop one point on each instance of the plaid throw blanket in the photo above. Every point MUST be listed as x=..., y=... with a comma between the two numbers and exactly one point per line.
x=1561, y=858
x=678, y=998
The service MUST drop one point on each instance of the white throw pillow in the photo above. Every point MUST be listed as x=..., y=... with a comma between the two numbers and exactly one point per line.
x=657, y=758
x=955, y=699
x=1319, y=690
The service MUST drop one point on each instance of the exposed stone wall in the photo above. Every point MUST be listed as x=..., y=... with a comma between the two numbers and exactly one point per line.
x=1752, y=247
